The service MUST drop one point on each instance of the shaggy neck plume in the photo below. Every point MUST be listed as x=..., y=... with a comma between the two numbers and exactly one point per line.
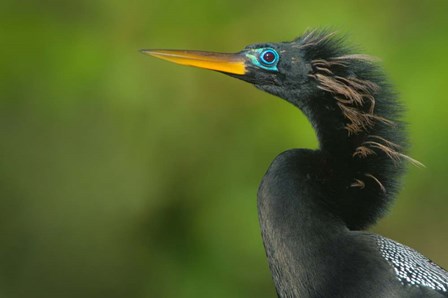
x=356, y=117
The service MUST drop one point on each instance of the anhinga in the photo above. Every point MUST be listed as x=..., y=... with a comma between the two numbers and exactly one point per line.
x=315, y=205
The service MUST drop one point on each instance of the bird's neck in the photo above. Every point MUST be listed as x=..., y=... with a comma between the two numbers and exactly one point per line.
x=361, y=164
x=329, y=125
x=298, y=231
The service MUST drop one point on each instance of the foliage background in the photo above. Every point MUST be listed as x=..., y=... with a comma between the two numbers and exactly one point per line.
x=125, y=176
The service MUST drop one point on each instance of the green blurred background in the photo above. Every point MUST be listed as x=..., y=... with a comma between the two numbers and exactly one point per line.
x=126, y=176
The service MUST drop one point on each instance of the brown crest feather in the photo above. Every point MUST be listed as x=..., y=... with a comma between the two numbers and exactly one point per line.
x=356, y=99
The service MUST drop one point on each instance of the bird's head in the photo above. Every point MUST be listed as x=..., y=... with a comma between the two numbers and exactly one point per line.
x=343, y=94
x=277, y=68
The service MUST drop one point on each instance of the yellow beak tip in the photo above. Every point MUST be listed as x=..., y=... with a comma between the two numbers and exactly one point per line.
x=145, y=52
x=228, y=63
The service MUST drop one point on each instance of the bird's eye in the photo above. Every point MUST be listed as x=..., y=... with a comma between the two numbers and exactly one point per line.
x=269, y=57
x=265, y=58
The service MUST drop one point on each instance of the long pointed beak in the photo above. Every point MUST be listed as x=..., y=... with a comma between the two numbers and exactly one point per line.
x=228, y=63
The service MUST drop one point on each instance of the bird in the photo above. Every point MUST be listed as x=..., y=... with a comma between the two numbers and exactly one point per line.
x=315, y=205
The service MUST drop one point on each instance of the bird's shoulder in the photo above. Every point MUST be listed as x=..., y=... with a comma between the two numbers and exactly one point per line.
x=411, y=268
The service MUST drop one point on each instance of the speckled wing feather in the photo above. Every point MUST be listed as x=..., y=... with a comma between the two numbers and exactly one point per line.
x=411, y=267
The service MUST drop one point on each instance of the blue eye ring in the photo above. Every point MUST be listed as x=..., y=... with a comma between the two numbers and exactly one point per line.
x=269, y=57
x=259, y=59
